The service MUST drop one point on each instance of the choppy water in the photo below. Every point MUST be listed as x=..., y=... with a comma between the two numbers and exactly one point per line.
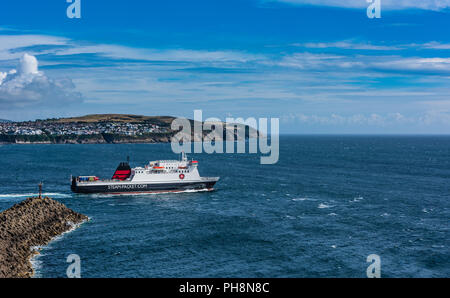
x=319, y=212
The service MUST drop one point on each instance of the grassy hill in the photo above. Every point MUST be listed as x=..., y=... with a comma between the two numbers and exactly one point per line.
x=165, y=133
x=163, y=121
x=123, y=118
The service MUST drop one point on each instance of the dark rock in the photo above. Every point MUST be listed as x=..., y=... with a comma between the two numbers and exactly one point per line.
x=30, y=223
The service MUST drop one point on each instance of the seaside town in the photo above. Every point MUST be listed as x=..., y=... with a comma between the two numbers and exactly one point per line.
x=73, y=128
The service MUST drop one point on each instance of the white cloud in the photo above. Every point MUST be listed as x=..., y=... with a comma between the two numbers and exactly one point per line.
x=335, y=119
x=435, y=117
x=352, y=45
x=28, y=86
x=345, y=83
x=427, y=118
x=10, y=45
x=28, y=65
x=435, y=65
x=172, y=55
x=436, y=46
x=331, y=62
x=346, y=45
x=311, y=61
x=388, y=4
x=14, y=46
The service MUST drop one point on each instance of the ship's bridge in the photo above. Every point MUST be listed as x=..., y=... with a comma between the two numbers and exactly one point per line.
x=184, y=163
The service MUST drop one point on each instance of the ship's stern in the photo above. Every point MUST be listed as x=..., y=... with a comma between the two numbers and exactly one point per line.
x=74, y=185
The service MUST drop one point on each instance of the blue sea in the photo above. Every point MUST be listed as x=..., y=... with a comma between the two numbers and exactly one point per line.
x=328, y=203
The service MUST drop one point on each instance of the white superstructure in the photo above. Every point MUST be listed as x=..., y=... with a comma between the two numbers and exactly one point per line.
x=167, y=170
x=161, y=175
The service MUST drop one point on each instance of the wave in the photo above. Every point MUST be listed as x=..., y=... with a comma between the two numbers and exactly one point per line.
x=25, y=195
x=36, y=264
x=357, y=199
x=300, y=199
x=109, y=195
x=437, y=246
x=322, y=206
x=303, y=199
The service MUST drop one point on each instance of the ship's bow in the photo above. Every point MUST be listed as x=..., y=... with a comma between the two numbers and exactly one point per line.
x=210, y=181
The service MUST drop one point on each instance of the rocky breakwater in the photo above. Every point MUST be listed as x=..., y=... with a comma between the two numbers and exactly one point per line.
x=33, y=222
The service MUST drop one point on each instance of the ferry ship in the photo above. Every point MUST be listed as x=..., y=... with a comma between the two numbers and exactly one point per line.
x=156, y=176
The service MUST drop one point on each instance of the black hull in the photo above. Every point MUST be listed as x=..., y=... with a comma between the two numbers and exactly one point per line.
x=141, y=188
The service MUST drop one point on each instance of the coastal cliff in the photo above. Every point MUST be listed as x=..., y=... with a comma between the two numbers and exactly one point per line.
x=112, y=129
x=33, y=222
x=85, y=139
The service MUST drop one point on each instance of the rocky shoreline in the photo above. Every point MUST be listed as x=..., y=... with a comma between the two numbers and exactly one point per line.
x=33, y=222
x=85, y=139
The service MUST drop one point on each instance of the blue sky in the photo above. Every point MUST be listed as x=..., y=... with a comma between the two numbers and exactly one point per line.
x=320, y=66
